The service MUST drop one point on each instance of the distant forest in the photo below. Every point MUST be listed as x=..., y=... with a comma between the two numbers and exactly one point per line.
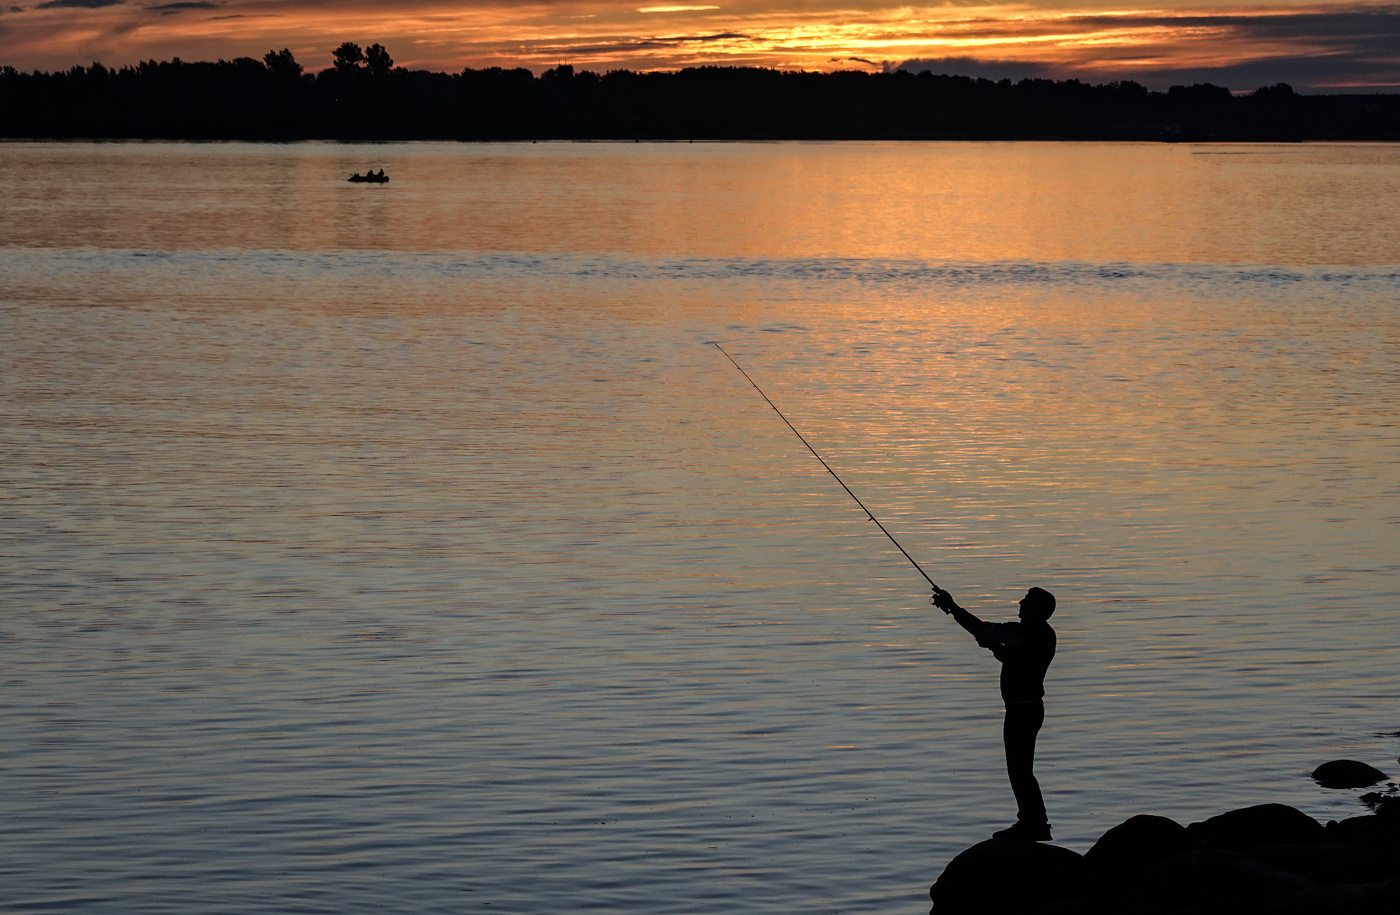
x=363, y=96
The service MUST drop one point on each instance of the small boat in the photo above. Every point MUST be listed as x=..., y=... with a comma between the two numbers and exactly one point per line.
x=371, y=178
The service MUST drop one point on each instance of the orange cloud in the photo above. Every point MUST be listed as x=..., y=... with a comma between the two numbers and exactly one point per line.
x=1360, y=42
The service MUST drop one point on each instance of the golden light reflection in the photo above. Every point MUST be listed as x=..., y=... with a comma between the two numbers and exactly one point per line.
x=603, y=35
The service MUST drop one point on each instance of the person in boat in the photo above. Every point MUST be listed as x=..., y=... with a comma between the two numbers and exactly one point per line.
x=1025, y=650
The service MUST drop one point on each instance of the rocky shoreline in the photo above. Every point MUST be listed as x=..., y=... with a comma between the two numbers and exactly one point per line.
x=1269, y=859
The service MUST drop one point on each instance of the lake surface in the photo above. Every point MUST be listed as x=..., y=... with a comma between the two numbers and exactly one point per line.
x=410, y=549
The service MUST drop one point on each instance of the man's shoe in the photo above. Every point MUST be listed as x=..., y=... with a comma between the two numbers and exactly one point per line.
x=1025, y=832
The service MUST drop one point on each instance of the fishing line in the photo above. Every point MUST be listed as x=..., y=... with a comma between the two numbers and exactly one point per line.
x=827, y=466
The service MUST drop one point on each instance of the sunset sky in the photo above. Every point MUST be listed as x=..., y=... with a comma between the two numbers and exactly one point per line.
x=1347, y=47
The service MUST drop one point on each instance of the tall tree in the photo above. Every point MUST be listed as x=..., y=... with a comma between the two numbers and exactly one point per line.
x=348, y=57
x=378, y=60
x=282, y=63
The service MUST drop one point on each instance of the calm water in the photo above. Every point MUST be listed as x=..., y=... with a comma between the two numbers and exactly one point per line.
x=407, y=548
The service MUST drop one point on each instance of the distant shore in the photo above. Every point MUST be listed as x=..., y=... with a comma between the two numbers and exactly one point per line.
x=274, y=100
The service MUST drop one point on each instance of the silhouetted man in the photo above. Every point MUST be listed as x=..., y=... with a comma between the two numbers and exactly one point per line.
x=1025, y=650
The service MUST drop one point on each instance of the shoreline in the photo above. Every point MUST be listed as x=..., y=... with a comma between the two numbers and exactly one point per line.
x=276, y=100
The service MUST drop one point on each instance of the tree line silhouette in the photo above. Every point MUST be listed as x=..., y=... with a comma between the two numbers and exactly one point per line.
x=363, y=96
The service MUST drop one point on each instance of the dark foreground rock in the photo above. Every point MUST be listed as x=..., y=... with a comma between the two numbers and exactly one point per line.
x=1004, y=876
x=1265, y=860
x=1269, y=824
x=1133, y=846
x=1210, y=879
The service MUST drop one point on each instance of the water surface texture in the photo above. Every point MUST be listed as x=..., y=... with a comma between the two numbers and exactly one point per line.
x=410, y=549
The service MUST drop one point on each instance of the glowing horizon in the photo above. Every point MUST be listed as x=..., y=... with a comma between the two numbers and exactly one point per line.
x=1311, y=46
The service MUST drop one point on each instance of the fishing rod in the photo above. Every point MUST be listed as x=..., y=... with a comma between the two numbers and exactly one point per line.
x=827, y=466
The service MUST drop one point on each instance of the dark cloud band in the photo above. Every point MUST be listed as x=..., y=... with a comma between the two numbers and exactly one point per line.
x=79, y=4
x=183, y=7
x=1355, y=47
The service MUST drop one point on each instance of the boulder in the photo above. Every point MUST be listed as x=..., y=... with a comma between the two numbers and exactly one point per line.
x=1105, y=907
x=1134, y=845
x=1001, y=876
x=1376, y=830
x=1383, y=805
x=1349, y=899
x=1333, y=863
x=1264, y=860
x=1334, y=900
x=1210, y=880
x=1265, y=824
x=1347, y=773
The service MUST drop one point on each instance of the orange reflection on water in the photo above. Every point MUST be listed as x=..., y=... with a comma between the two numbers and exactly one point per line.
x=922, y=203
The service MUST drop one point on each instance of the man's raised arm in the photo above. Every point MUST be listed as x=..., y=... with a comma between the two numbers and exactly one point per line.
x=988, y=635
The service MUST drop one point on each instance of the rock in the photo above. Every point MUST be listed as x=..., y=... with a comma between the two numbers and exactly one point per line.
x=1352, y=899
x=1134, y=845
x=1331, y=899
x=1059, y=907
x=1265, y=824
x=1384, y=805
x=1079, y=907
x=1000, y=876
x=1210, y=880
x=1264, y=860
x=1376, y=830
x=1347, y=773
x=1332, y=863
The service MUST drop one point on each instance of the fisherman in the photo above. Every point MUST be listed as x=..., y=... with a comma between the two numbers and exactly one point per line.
x=1025, y=650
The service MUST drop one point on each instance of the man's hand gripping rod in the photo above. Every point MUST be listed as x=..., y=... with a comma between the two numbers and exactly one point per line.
x=832, y=472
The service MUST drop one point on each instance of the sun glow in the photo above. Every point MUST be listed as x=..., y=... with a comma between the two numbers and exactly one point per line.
x=603, y=35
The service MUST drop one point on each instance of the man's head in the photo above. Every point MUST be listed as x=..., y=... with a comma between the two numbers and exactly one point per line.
x=1037, y=605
